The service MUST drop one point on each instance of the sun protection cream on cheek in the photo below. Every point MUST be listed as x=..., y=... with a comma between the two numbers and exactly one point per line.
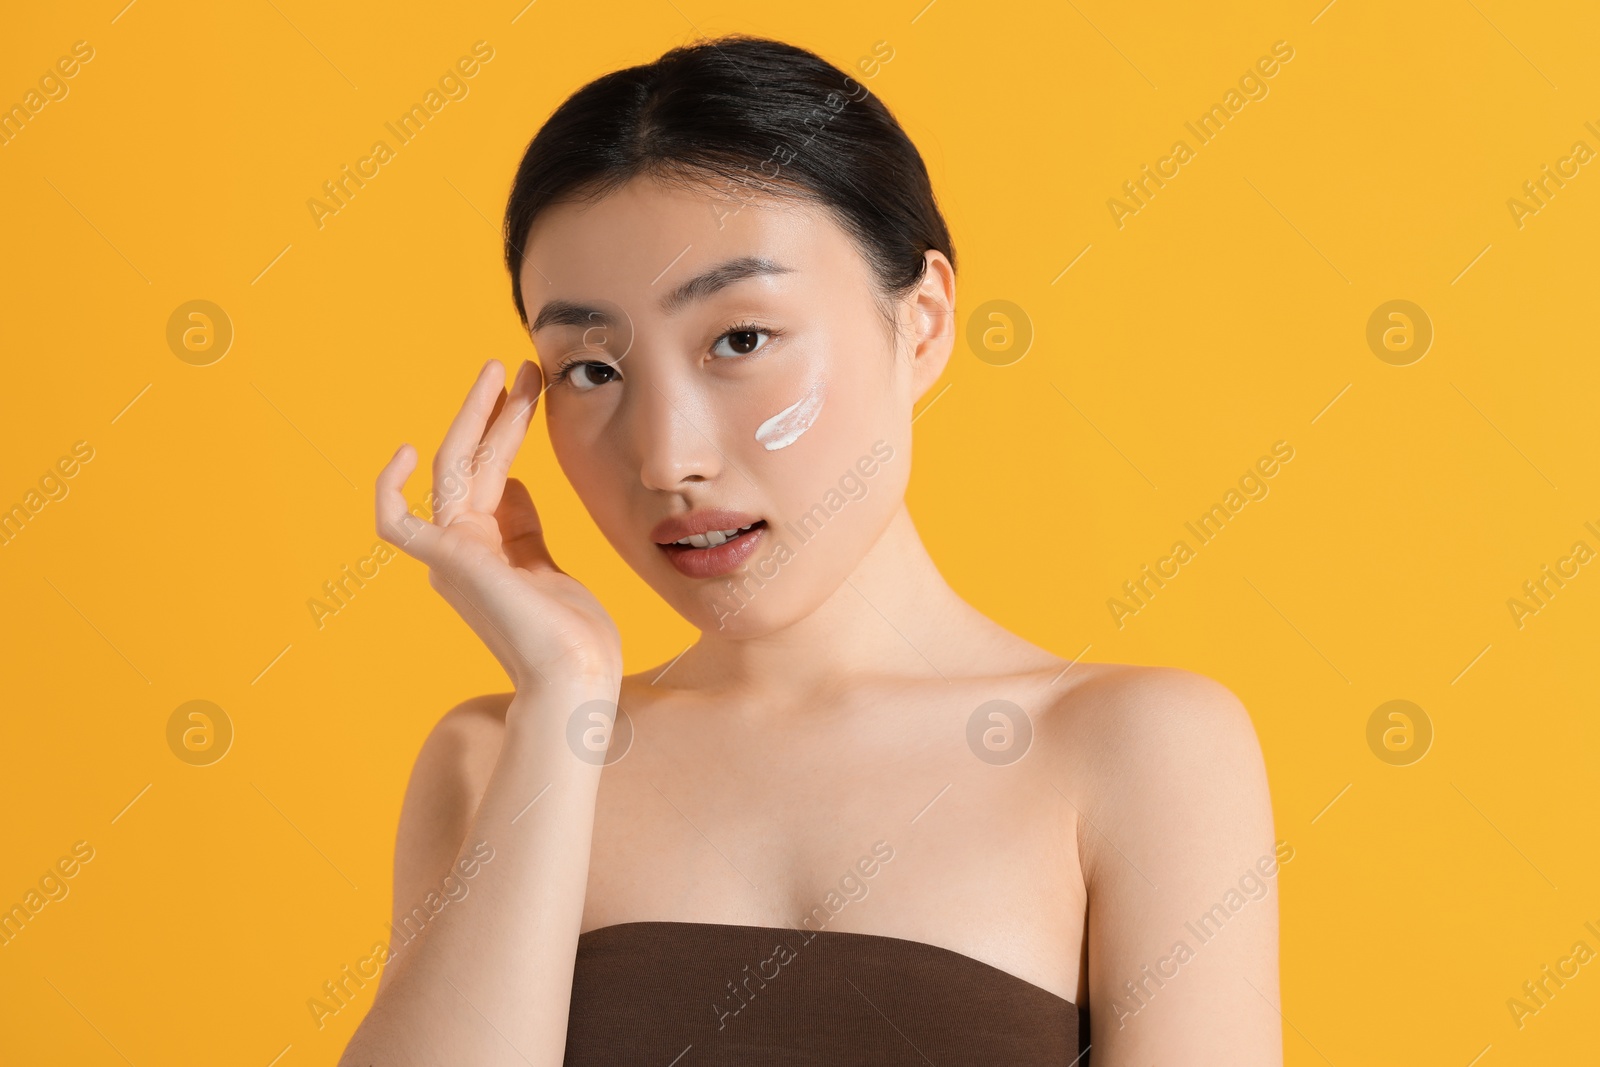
x=786, y=426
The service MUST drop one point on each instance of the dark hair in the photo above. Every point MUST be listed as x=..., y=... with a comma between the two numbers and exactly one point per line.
x=754, y=111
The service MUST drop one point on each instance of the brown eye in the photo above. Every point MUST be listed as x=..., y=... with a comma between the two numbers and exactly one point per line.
x=741, y=341
x=588, y=374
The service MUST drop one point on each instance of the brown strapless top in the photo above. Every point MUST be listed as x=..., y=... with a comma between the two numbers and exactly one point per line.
x=689, y=994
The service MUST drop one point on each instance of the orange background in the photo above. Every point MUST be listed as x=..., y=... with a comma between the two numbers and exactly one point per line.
x=1230, y=312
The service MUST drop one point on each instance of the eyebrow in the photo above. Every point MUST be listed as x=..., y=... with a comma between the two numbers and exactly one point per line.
x=701, y=286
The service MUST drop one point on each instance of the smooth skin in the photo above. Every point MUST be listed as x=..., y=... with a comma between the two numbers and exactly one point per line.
x=823, y=709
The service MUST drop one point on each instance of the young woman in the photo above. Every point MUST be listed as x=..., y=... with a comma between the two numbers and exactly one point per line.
x=856, y=822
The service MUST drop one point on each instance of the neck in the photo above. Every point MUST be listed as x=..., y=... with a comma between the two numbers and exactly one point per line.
x=894, y=614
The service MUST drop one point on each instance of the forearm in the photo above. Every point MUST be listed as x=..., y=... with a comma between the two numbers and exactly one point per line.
x=489, y=979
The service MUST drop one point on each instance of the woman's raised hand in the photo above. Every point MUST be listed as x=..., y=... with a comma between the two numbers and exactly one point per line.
x=484, y=546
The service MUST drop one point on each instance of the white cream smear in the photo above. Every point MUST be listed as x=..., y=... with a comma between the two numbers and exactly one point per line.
x=786, y=426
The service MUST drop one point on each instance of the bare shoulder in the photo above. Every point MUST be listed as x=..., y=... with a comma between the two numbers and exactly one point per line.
x=1126, y=715
x=447, y=780
x=1175, y=837
x=1159, y=752
x=458, y=754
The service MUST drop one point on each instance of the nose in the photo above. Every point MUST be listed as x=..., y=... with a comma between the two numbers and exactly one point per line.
x=674, y=438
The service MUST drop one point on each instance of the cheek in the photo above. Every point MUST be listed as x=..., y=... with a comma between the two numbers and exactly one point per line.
x=832, y=400
x=585, y=466
x=788, y=425
x=567, y=449
x=821, y=459
x=824, y=440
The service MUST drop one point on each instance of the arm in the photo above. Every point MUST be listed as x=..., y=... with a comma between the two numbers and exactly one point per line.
x=488, y=977
x=1179, y=858
x=447, y=781
x=488, y=980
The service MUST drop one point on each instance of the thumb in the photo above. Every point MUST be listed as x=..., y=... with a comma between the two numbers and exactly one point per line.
x=521, y=533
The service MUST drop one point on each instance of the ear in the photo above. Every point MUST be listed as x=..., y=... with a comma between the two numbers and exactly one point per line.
x=932, y=311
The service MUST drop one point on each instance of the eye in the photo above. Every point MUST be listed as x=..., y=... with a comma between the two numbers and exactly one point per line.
x=742, y=340
x=585, y=374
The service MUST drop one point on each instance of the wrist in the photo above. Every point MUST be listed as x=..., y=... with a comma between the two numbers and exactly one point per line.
x=569, y=678
x=571, y=712
x=574, y=669
x=556, y=694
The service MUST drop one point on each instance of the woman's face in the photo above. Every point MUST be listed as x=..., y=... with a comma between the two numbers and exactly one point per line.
x=705, y=355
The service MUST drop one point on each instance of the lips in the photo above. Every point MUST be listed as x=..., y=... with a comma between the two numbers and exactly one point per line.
x=707, y=527
x=677, y=527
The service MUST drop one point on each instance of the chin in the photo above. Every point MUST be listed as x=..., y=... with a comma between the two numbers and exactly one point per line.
x=716, y=610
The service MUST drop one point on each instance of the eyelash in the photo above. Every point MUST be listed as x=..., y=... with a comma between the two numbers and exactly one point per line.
x=564, y=371
x=747, y=327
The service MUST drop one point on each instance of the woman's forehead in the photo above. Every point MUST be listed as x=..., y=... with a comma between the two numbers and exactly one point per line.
x=644, y=241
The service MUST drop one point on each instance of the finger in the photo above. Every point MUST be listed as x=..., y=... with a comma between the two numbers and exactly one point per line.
x=507, y=430
x=415, y=536
x=476, y=474
x=494, y=412
x=453, y=463
x=521, y=532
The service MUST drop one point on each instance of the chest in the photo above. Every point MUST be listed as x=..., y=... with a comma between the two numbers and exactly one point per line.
x=887, y=826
